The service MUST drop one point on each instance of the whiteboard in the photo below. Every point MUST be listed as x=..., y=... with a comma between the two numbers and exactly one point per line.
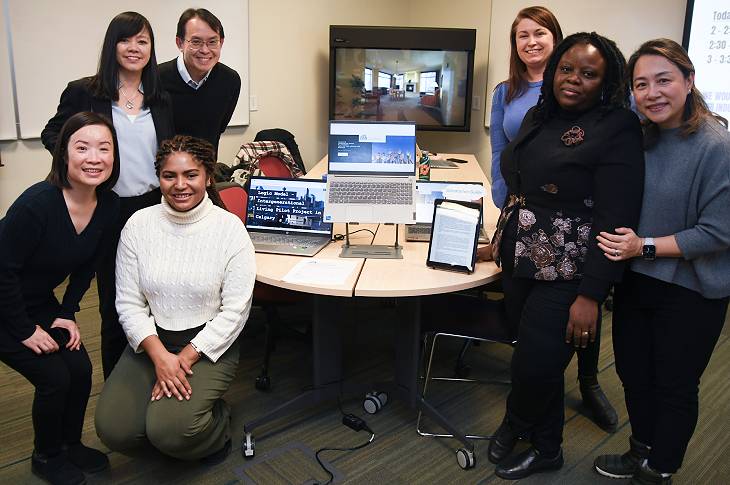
x=55, y=42
x=709, y=49
x=7, y=107
x=627, y=22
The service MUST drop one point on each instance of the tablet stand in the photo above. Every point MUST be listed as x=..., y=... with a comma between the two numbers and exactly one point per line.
x=373, y=251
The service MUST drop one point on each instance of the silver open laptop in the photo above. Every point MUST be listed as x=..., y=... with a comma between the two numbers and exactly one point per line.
x=284, y=216
x=428, y=191
x=371, y=175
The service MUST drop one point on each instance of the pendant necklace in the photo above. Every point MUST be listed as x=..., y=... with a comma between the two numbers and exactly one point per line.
x=129, y=104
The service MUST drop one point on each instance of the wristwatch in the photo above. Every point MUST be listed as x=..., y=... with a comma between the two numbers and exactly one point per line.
x=648, y=250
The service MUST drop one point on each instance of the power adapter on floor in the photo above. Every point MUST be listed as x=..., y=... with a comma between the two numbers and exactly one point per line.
x=353, y=422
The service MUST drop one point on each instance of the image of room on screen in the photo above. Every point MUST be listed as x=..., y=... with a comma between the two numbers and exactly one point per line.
x=287, y=208
x=395, y=150
x=428, y=87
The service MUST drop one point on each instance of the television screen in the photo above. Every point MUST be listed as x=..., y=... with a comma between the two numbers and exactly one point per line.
x=420, y=75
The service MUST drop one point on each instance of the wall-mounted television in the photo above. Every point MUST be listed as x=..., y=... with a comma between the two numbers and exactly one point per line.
x=423, y=75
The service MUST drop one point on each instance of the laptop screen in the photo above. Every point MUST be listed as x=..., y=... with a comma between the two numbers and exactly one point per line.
x=427, y=192
x=372, y=148
x=287, y=206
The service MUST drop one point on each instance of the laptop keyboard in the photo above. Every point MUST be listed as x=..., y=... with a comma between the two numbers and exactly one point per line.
x=420, y=229
x=283, y=239
x=389, y=193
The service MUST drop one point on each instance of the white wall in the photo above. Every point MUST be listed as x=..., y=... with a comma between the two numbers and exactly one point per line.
x=628, y=22
x=289, y=75
x=465, y=14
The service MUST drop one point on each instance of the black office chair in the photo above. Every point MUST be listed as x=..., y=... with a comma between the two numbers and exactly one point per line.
x=465, y=317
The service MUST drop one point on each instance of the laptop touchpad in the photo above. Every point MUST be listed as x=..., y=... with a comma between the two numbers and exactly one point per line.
x=360, y=214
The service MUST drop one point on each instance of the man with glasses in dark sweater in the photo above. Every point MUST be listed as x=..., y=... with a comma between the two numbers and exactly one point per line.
x=204, y=91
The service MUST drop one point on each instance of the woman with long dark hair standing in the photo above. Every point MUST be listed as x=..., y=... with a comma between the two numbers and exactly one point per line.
x=127, y=90
x=534, y=34
x=574, y=169
x=672, y=304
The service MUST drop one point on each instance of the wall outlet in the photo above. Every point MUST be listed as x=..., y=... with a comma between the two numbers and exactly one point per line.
x=476, y=103
x=253, y=104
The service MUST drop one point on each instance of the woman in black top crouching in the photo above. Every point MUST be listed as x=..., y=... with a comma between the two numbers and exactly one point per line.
x=575, y=168
x=50, y=233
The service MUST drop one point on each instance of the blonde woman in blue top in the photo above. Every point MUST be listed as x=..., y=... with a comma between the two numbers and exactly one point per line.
x=534, y=34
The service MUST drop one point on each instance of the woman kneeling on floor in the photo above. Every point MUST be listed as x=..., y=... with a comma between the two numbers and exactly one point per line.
x=185, y=276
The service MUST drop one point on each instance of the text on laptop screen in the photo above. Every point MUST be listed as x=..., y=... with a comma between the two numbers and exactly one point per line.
x=428, y=192
x=287, y=205
x=385, y=148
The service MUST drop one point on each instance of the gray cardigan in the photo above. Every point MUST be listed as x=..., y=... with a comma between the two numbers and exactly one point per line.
x=687, y=193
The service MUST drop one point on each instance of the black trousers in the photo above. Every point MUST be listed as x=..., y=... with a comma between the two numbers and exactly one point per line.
x=536, y=403
x=62, y=383
x=113, y=340
x=587, y=357
x=663, y=338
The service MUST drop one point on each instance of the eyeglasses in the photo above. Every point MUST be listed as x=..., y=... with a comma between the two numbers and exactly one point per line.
x=199, y=43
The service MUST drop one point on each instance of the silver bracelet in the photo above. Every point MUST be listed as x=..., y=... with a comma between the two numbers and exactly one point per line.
x=195, y=348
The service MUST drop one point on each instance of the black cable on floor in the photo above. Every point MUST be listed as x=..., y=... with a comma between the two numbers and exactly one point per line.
x=321, y=450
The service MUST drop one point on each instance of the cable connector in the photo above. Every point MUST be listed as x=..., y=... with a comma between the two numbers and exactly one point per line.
x=353, y=422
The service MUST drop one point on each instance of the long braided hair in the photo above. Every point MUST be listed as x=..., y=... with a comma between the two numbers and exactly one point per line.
x=201, y=151
x=615, y=92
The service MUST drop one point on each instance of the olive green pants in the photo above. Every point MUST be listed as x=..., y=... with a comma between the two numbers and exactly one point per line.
x=190, y=429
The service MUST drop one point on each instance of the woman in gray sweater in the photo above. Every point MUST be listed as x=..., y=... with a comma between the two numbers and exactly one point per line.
x=671, y=306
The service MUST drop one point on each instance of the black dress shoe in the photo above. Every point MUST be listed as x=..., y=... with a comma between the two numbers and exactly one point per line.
x=602, y=412
x=526, y=463
x=503, y=443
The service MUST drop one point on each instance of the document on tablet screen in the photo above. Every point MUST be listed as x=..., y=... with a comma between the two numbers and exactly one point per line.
x=454, y=233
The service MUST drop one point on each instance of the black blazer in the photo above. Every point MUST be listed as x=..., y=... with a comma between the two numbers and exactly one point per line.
x=77, y=97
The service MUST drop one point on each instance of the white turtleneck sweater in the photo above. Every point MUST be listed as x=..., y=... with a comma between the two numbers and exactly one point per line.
x=180, y=270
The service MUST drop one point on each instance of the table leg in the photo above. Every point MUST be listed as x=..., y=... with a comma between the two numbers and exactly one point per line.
x=407, y=362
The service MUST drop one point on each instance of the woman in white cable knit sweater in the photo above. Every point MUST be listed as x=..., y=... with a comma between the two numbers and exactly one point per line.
x=185, y=276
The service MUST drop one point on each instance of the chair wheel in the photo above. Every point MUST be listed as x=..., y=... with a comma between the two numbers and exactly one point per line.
x=263, y=383
x=374, y=401
x=248, y=448
x=465, y=458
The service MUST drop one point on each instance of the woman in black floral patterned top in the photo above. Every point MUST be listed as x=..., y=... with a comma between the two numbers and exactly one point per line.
x=575, y=168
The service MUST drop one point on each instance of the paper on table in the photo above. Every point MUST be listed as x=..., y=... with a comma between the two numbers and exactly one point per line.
x=321, y=271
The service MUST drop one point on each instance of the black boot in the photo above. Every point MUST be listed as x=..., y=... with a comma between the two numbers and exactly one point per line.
x=86, y=459
x=526, y=463
x=56, y=469
x=622, y=466
x=503, y=442
x=646, y=475
x=604, y=415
